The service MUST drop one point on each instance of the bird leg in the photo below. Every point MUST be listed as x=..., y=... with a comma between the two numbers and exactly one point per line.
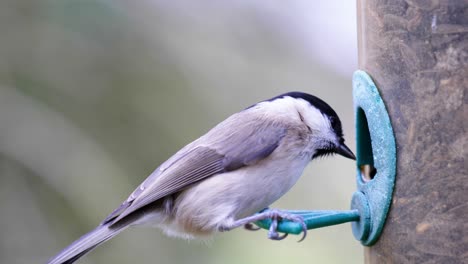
x=274, y=215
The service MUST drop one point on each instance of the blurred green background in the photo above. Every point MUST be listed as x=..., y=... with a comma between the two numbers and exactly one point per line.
x=96, y=94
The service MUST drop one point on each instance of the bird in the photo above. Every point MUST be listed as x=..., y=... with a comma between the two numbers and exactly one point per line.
x=224, y=179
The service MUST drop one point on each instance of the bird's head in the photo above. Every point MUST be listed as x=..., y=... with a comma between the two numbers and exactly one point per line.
x=322, y=121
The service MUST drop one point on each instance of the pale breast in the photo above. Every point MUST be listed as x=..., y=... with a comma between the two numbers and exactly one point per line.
x=226, y=197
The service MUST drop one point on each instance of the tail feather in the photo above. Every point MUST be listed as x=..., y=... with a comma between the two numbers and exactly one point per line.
x=85, y=244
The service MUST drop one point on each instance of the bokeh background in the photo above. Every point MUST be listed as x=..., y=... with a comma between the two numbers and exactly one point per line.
x=95, y=94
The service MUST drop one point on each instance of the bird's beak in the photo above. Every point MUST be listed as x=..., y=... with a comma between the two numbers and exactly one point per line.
x=344, y=151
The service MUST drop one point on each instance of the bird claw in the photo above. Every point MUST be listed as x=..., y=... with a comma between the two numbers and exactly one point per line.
x=251, y=227
x=276, y=215
x=276, y=236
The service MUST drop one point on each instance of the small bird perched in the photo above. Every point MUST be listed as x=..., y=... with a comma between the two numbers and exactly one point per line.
x=219, y=181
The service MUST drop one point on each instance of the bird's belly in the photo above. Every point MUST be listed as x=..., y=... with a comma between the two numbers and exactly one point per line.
x=229, y=196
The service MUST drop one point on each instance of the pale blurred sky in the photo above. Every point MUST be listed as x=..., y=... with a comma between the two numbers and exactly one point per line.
x=95, y=94
x=325, y=30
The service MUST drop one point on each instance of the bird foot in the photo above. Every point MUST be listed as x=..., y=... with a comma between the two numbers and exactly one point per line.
x=275, y=216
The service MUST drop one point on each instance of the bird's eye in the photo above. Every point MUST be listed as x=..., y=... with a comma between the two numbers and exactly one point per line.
x=333, y=121
x=336, y=125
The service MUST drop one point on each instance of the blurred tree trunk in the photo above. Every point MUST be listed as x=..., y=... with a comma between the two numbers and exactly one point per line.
x=417, y=53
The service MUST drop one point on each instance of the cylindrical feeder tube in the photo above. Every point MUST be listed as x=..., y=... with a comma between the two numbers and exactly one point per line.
x=417, y=53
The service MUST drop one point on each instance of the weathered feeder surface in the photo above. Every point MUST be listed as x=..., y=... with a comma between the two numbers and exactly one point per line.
x=417, y=53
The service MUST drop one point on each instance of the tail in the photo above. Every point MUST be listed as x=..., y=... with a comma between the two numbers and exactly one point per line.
x=85, y=244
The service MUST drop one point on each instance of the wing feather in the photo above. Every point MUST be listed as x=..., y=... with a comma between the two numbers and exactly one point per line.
x=218, y=151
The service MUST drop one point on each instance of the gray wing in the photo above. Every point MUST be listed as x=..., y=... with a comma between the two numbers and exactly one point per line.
x=230, y=145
